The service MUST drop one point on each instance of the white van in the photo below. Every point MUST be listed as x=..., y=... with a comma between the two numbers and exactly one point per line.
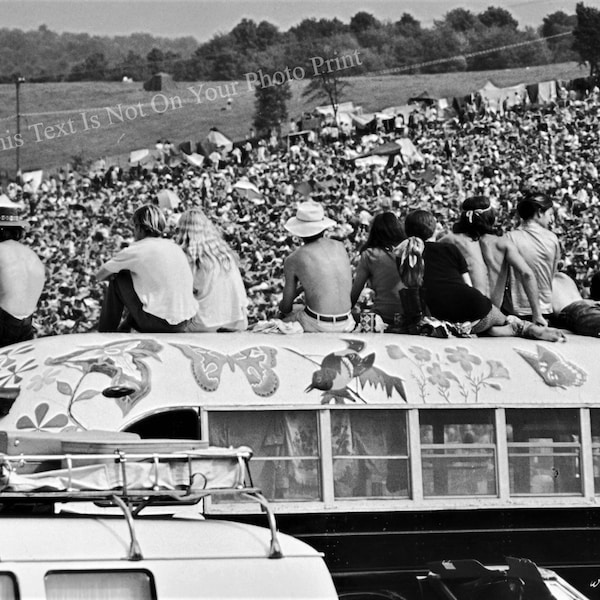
x=66, y=555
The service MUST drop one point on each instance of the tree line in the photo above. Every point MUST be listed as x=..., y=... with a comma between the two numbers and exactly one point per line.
x=461, y=40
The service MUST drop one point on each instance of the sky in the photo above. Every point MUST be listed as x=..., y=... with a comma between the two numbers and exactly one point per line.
x=204, y=18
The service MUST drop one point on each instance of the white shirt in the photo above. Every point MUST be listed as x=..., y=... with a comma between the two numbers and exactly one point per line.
x=161, y=277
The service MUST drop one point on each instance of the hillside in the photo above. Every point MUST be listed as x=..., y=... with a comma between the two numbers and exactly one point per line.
x=92, y=120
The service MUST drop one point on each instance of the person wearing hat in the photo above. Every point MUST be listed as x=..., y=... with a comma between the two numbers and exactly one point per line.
x=22, y=277
x=321, y=269
x=541, y=250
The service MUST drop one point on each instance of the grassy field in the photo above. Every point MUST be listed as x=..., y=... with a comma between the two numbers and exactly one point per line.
x=94, y=120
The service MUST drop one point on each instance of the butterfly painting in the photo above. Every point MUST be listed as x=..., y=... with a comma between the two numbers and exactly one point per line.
x=256, y=363
x=553, y=368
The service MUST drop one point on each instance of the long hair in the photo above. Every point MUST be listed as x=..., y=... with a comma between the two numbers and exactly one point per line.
x=419, y=225
x=201, y=240
x=150, y=219
x=385, y=232
x=477, y=218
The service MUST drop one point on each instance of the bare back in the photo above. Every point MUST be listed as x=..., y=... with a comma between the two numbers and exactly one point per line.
x=22, y=279
x=493, y=249
x=323, y=270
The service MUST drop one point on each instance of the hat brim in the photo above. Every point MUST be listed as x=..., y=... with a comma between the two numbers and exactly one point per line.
x=308, y=228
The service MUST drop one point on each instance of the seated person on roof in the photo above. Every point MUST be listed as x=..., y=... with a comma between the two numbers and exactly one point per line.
x=321, y=269
x=437, y=273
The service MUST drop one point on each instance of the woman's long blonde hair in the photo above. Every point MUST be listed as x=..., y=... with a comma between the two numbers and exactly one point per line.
x=201, y=240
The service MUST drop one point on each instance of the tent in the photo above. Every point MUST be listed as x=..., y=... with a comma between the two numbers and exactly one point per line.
x=159, y=82
x=168, y=199
x=216, y=141
x=139, y=156
x=342, y=107
x=495, y=98
x=423, y=98
x=34, y=178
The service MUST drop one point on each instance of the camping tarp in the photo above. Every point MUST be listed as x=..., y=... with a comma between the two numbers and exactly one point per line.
x=158, y=82
x=216, y=141
x=342, y=107
x=495, y=98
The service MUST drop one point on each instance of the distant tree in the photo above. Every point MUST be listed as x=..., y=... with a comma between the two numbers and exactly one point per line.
x=494, y=16
x=461, y=20
x=311, y=29
x=362, y=21
x=271, y=106
x=155, y=59
x=245, y=35
x=267, y=34
x=559, y=24
x=327, y=84
x=407, y=25
x=587, y=37
x=93, y=68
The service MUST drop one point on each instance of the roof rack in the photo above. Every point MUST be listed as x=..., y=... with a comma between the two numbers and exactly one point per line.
x=132, y=481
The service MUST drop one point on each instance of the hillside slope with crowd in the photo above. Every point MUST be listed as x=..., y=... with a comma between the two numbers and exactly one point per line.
x=77, y=222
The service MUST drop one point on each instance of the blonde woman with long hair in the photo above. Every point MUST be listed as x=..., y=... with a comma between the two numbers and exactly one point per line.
x=218, y=286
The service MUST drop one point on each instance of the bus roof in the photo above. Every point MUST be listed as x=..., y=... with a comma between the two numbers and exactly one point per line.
x=109, y=381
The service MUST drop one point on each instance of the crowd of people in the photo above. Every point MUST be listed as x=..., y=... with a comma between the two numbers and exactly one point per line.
x=77, y=222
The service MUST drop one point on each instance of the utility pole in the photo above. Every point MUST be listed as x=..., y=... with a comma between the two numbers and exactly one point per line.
x=18, y=81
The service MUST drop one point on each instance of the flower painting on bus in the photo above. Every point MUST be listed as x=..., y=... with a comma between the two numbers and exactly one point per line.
x=437, y=372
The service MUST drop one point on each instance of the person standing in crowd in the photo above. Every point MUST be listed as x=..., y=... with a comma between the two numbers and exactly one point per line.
x=377, y=265
x=541, y=250
x=151, y=278
x=490, y=256
x=441, y=271
x=321, y=269
x=218, y=286
x=22, y=277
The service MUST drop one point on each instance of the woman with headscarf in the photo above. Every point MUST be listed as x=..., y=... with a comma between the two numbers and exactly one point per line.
x=218, y=286
x=377, y=265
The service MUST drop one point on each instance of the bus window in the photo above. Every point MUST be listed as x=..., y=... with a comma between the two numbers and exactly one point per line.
x=285, y=462
x=370, y=454
x=544, y=451
x=458, y=452
x=595, y=417
x=172, y=424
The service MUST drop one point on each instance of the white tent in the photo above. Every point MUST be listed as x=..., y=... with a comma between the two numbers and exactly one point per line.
x=194, y=159
x=34, y=178
x=168, y=199
x=495, y=97
x=138, y=156
x=215, y=140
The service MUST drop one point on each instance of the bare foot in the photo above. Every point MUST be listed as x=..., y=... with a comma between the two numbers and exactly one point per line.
x=537, y=332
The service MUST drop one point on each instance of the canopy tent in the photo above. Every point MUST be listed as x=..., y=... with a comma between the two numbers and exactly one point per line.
x=34, y=178
x=496, y=98
x=159, y=82
x=194, y=159
x=247, y=190
x=216, y=141
x=342, y=107
x=168, y=199
x=402, y=146
x=139, y=156
x=423, y=98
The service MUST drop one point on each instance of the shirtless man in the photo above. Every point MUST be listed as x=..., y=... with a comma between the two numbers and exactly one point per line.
x=490, y=256
x=22, y=277
x=321, y=269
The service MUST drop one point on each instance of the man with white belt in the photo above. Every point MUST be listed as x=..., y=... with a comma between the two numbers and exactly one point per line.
x=321, y=269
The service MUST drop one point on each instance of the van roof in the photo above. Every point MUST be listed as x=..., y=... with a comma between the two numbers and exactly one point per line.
x=88, y=538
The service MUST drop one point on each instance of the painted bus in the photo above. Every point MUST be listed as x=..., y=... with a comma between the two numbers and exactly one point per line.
x=383, y=452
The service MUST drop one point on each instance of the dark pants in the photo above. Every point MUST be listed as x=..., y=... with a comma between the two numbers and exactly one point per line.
x=120, y=295
x=582, y=317
x=13, y=330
